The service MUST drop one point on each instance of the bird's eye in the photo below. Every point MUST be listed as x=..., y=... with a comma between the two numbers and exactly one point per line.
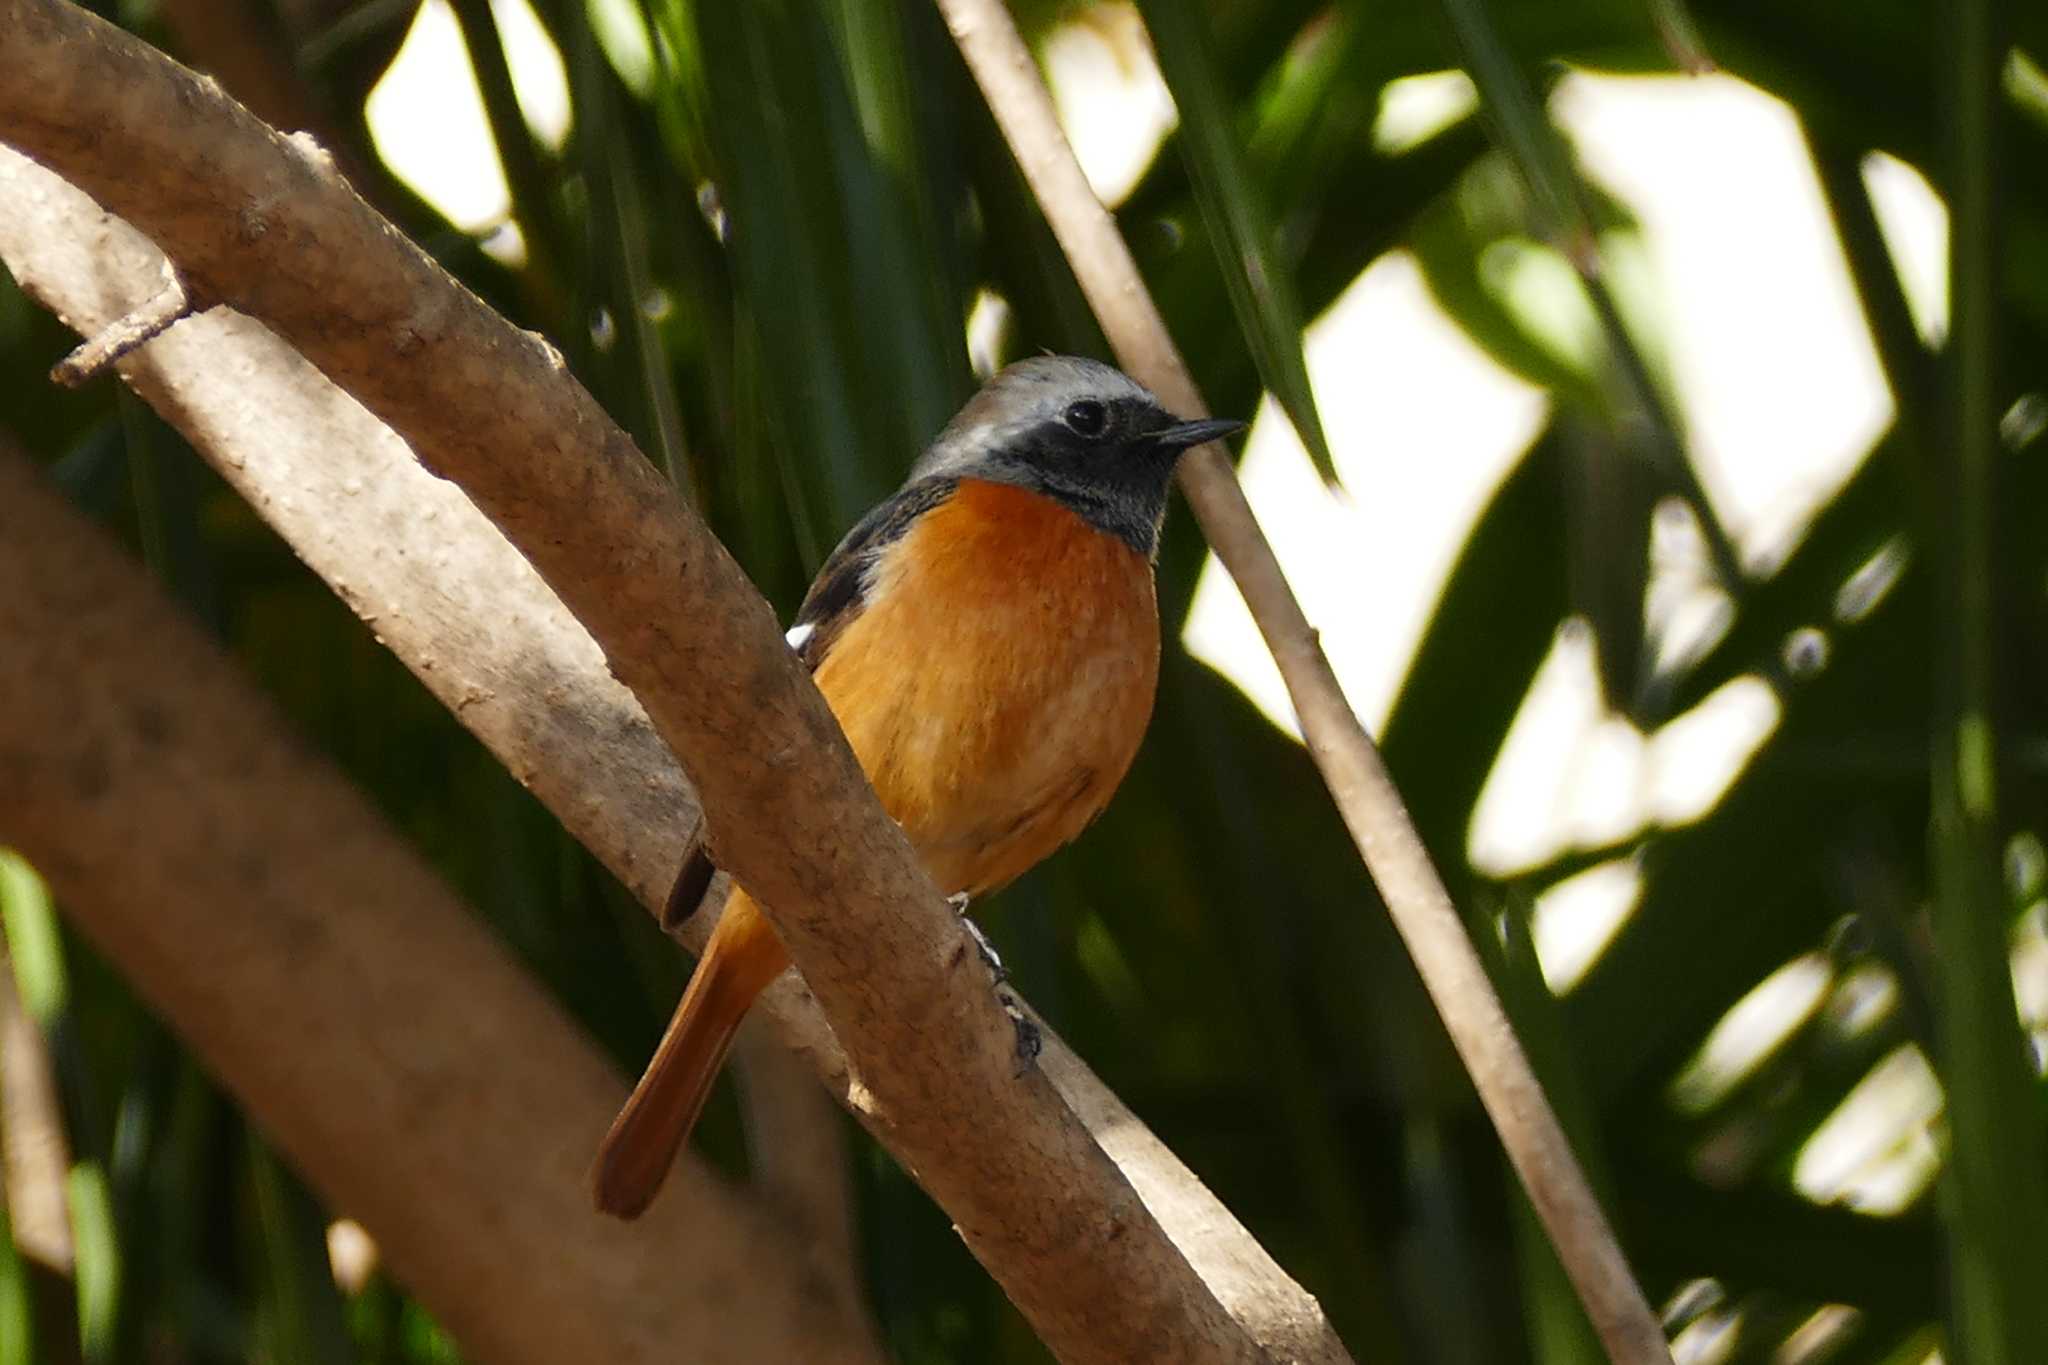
x=1086, y=418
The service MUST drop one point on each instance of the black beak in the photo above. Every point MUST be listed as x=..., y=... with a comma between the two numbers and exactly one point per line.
x=1185, y=435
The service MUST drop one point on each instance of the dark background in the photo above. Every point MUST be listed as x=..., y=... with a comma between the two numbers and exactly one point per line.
x=1212, y=947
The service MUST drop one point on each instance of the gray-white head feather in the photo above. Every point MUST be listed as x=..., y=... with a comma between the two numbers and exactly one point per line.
x=1076, y=430
x=1023, y=397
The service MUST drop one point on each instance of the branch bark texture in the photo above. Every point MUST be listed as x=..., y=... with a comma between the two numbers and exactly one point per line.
x=410, y=1068
x=1351, y=765
x=257, y=220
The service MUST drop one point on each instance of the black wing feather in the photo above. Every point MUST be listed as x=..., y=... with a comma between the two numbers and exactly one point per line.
x=836, y=597
x=687, y=895
x=840, y=589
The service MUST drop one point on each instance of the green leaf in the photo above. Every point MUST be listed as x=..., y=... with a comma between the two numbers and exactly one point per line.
x=34, y=949
x=97, y=1267
x=1996, y=1191
x=1885, y=1266
x=1258, y=280
x=306, y=1318
x=1454, y=241
x=527, y=174
x=1494, y=623
x=1341, y=235
x=1846, y=537
x=859, y=367
x=1540, y=154
x=622, y=250
x=1729, y=899
x=17, y=1301
x=1019, y=255
x=1559, y=1331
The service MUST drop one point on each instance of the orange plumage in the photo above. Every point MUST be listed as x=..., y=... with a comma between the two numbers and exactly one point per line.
x=994, y=674
x=995, y=695
x=997, y=689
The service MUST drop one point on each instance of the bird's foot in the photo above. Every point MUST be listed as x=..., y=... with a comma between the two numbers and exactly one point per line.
x=1029, y=1040
x=996, y=970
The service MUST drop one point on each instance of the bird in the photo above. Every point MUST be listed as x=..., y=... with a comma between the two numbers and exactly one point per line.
x=988, y=639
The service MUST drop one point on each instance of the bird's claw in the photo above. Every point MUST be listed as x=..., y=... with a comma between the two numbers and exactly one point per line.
x=996, y=970
x=1030, y=1042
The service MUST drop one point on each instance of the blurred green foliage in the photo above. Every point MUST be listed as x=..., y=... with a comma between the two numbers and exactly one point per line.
x=760, y=248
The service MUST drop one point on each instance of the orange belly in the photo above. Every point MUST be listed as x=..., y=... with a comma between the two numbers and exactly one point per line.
x=997, y=685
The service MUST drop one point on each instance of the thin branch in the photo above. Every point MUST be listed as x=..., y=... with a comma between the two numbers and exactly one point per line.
x=1074, y=1241
x=416, y=1074
x=146, y=322
x=1351, y=765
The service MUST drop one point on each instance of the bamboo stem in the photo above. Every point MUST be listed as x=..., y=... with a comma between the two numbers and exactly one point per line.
x=1351, y=765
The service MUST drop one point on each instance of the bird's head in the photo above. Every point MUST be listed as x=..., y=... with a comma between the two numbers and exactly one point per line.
x=1078, y=431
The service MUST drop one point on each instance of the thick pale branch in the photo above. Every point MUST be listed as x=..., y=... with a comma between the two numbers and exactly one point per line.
x=417, y=561
x=1359, y=783
x=253, y=219
x=410, y=1068
x=796, y=1146
x=125, y=333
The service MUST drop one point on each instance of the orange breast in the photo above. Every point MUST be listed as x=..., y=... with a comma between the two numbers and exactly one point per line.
x=998, y=683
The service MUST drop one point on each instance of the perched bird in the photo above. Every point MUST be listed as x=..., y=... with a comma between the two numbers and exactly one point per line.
x=988, y=638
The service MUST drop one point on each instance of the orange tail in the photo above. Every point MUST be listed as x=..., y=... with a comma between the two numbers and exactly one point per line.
x=742, y=958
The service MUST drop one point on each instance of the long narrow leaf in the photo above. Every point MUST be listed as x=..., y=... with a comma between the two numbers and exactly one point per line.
x=920, y=297
x=1732, y=897
x=98, y=1271
x=17, y=1303
x=619, y=242
x=306, y=1314
x=1495, y=620
x=1260, y=284
x=1540, y=155
x=34, y=949
x=1908, y=367
x=1559, y=1332
x=526, y=173
x=1996, y=1198
x=856, y=378
x=1843, y=545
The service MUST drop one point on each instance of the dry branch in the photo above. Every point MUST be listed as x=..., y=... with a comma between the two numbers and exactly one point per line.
x=407, y=1064
x=272, y=231
x=127, y=332
x=416, y=560
x=1358, y=780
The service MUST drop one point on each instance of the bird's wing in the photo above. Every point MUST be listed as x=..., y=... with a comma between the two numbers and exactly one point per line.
x=837, y=596
x=839, y=592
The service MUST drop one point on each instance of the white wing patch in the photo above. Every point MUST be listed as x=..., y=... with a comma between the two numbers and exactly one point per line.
x=800, y=633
